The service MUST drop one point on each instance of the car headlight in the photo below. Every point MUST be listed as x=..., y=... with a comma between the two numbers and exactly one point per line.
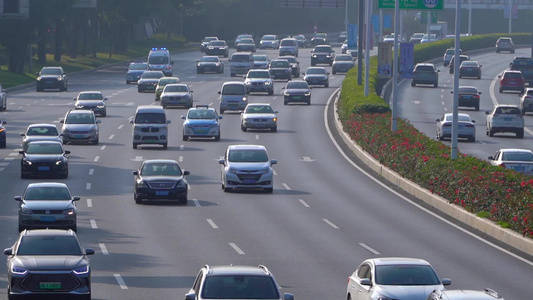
x=233, y=171
x=18, y=270
x=59, y=162
x=328, y=55
x=27, y=162
x=268, y=82
x=264, y=171
x=182, y=184
x=26, y=211
x=286, y=94
x=142, y=184
x=39, y=78
x=308, y=94
x=81, y=270
x=101, y=105
x=274, y=119
x=244, y=99
x=79, y=106
x=313, y=56
x=69, y=211
x=59, y=78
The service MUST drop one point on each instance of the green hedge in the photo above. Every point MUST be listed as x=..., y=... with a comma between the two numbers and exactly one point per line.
x=501, y=195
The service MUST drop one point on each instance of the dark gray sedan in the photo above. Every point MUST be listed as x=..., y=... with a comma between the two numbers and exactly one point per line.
x=297, y=91
x=91, y=100
x=160, y=179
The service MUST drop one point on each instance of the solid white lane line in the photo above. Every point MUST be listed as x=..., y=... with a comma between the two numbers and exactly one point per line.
x=104, y=249
x=286, y=186
x=374, y=251
x=120, y=281
x=111, y=136
x=93, y=224
x=330, y=223
x=236, y=248
x=91, y=171
x=89, y=202
x=120, y=127
x=304, y=203
x=96, y=158
x=212, y=224
x=180, y=159
x=103, y=147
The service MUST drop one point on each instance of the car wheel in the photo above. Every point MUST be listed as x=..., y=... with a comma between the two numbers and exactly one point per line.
x=501, y=90
x=221, y=111
x=104, y=114
x=21, y=228
x=309, y=102
x=134, y=146
x=413, y=83
x=520, y=134
x=285, y=102
x=326, y=85
x=217, y=137
x=271, y=92
x=183, y=200
x=313, y=64
x=165, y=146
x=3, y=144
x=472, y=139
x=95, y=142
x=185, y=137
x=38, y=90
x=435, y=84
x=64, y=175
x=139, y=90
x=138, y=200
x=491, y=132
x=477, y=107
x=244, y=129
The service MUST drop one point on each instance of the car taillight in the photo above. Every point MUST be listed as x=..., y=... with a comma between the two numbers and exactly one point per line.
x=447, y=125
x=476, y=96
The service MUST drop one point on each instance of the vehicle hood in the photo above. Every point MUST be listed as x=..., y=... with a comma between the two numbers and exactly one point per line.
x=136, y=72
x=207, y=63
x=157, y=66
x=79, y=127
x=44, y=157
x=249, y=166
x=411, y=292
x=323, y=53
x=315, y=76
x=252, y=80
x=90, y=102
x=259, y=116
x=50, y=76
x=200, y=122
x=47, y=204
x=49, y=262
x=162, y=178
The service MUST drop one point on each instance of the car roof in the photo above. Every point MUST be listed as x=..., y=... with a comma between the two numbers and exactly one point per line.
x=505, y=105
x=514, y=150
x=237, y=270
x=41, y=125
x=177, y=84
x=166, y=161
x=512, y=71
x=460, y=114
x=426, y=64
x=233, y=82
x=47, y=184
x=244, y=147
x=258, y=104
x=384, y=261
x=150, y=108
x=315, y=68
x=48, y=232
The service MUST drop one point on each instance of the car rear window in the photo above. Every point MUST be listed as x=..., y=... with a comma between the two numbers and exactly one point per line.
x=425, y=69
x=508, y=110
x=512, y=75
x=517, y=156
x=239, y=287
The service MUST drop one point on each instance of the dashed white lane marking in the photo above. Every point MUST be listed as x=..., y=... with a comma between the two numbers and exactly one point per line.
x=9, y=158
x=374, y=251
x=89, y=202
x=14, y=154
x=445, y=109
x=88, y=186
x=104, y=249
x=443, y=103
x=182, y=147
x=93, y=224
x=97, y=158
x=286, y=186
x=304, y=203
x=120, y=127
x=257, y=136
x=103, y=147
x=111, y=136
x=91, y=171
x=274, y=171
x=196, y=203
x=330, y=223
x=211, y=104
x=138, y=158
x=120, y=281
x=212, y=224
x=236, y=248
x=180, y=159
x=275, y=97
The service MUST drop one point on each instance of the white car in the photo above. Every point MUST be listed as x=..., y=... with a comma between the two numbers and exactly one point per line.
x=394, y=278
x=259, y=116
x=505, y=118
x=520, y=160
x=526, y=101
x=466, y=127
x=487, y=294
x=3, y=98
x=247, y=167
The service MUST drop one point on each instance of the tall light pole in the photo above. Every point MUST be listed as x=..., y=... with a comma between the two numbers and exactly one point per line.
x=510, y=16
x=469, y=17
x=360, y=42
x=394, y=113
x=368, y=32
x=456, y=61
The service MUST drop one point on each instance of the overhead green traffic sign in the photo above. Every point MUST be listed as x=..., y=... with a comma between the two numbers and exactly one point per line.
x=413, y=4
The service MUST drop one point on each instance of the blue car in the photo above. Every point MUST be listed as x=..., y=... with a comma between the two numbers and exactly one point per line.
x=201, y=122
x=135, y=71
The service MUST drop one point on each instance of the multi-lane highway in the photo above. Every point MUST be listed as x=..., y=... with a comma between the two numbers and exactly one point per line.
x=323, y=219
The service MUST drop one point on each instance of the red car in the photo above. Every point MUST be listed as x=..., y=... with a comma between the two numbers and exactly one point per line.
x=512, y=80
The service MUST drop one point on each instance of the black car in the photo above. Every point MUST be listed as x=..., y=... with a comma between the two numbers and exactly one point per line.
x=322, y=54
x=297, y=91
x=3, y=135
x=469, y=97
x=280, y=69
x=317, y=76
x=160, y=179
x=148, y=81
x=470, y=68
x=48, y=262
x=52, y=78
x=44, y=158
x=461, y=59
x=295, y=65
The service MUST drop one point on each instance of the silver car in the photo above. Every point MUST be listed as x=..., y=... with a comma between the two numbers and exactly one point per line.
x=247, y=167
x=342, y=63
x=80, y=126
x=259, y=116
x=92, y=100
x=394, y=278
x=261, y=61
x=487, y=294
x=233, y=96
x=259, y=81
x=177, y=94
x=40, y=132
x=47, y=205
x=269, y=41
x=466, y=127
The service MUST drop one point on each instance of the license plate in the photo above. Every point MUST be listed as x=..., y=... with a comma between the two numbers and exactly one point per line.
x=201, y=131
x=47, y=218
x=49, y=285
x=49, y=82
x=78, y=136
x=249, y=181
x=512, y=82
x=43, y=168
x=507, y=119
x=150, y=141
x=467, y=97
x=297, y=97
x=161, y=193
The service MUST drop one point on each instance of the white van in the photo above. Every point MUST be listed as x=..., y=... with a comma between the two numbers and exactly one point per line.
x=233, y=96
x=150, y=126
x=241, y=63
x=159, y=60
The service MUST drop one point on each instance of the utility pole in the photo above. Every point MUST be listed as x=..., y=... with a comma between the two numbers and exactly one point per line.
x=360, y=43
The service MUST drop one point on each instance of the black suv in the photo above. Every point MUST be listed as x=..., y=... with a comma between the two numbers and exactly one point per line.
x=322, y=54
x=52, y=78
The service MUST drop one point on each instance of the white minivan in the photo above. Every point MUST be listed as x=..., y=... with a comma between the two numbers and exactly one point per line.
x=241, y=63
x=150, y=126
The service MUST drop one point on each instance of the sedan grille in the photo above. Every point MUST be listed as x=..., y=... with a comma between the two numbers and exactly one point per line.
x=246, y=177
x=150, y=129
x=79, y=132
x=32, y=282
x=162, y=185
x=48, y=212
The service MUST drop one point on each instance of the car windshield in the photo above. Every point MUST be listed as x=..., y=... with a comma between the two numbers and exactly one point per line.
x=463, y=118
x=49, y=245
x=240, y=58
x=217, y=43
x=517, y=156
x=209, y=59
x=138, y=66
x=260, y=58
x=325, y=49
x=297, y=85
x=150, y=118
x=258, y=74
x=469, y=64
x=247, y=41
x=45, y=130
x=239, y=287
x=80, y=119
x=258, y=109
x=201, y=114
x=152, y=75
x=406, y=275
x=344, y=58
x=54, y=148
x=176, y=89
x=164, y=81
x=158, y=59
x=51, y=71
x=247, y=155
x=90, y=96
x=47, y=193
x=268, y=38
x=233, y=89
x=300, y=37
x=279, y=64
x=316, y=71
x=161, y=169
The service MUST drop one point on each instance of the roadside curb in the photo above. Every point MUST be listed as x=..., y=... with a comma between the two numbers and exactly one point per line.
x=493, y=230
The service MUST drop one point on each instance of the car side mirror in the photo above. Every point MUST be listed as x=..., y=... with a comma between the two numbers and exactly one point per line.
x=479, y=93
x=437, y=120
x=131, y=121
x=490, y=158
x=487, y=112
x=21, y=152
x=365, y=281
x=446, y=281
x=8, y=251
x=288, y=296
x=74, y=99
x=186, y=173
x=67, y=151
x=275, y=111
x=219, y=92
x=105, y=99
x=98, y=121
x=22, y=134
x=89, y=251
x=18, y=198
x=191, y=92
x=221, y=161
x=61, y=121
x=451, y=92
x=273, y=161
x=183, y=117
x=190, y=296
x=327, y=73
x=135, y=173
x=168, y=121
x=220, y=117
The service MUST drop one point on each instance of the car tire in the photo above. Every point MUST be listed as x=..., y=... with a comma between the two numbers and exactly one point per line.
x=3, y=144
x=165, y=146
x=138, y=200
x=313, y=64
x=64, y=175
x=217, y=137
x=95, y=142
x=326, y=85
x=21, y=228
x=38, y=89
x=501, y=90
x=520, y=134
x=477, y=107
x=436, y=84
x=221, y=111
x=271, y=92
x=104, y=114
x=243, y=129
x=269, y=190
x=134, y=146
x=333, y=72
x=491, y=132
x=413, y=83
x=226, y=190
x=472, y=139
x=23, y=176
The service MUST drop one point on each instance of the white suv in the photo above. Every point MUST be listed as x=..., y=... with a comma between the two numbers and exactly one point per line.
x=150, y=126
x=505, y=118
x=526, y=101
